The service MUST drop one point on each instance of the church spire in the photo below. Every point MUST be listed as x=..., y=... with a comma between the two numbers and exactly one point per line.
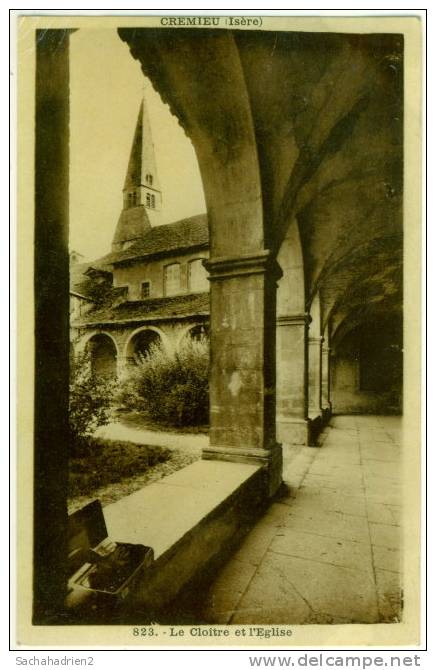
x=142, y=198
x=141, y=170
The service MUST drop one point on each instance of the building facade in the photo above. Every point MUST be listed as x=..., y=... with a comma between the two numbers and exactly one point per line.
x=304, y=195
x=152, y=286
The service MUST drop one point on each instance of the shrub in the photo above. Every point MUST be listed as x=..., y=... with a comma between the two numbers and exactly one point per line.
x=90, y=402
x=172, y=388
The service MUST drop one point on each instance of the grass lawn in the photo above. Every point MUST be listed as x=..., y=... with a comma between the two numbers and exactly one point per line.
x=137, y=419
x=112, y=469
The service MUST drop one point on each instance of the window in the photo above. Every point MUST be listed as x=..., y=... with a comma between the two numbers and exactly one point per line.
x=197, y=276
x=150, y=200
x=145, y=289
x=172, y=279
x=149, y=179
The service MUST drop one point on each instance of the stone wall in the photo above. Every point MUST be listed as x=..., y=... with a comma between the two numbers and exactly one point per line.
x=153, y=271
x=171, y=333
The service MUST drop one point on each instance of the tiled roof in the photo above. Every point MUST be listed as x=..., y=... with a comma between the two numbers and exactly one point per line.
x=79, y=282
x=80, y=295
x=148, y=310
x=77, y=273
x=133, y=223
x=159, y=240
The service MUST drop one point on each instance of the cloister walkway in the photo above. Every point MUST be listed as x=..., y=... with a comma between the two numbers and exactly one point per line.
x=328, y=550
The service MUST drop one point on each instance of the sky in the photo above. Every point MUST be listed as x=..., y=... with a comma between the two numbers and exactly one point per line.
x=106, y=87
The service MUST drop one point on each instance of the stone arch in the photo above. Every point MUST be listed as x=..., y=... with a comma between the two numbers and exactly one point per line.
x=220, y=127
x=195, y=330
x=139, y=342
x=103, y=353
x=199, y=331
x=81, y=344
x=343, y=325
x=367, y=371
x=184, y=68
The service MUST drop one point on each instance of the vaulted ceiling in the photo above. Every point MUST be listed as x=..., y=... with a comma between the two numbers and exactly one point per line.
x=326, y=111
x=329, y=128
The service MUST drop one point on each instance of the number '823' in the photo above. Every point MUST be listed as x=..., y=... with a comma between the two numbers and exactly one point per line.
x=144, y=631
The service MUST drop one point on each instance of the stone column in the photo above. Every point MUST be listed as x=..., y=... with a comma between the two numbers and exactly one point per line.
x=325, y=386
x=242, y=372
x=293, y=425
x=123, y=362
x=51, y=428
x=315, y=376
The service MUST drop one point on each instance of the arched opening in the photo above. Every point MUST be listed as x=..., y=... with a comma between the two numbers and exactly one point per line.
x=199, y=332
x=367, y=368
x=236, y=383
x=103, y=355
x=242, y=268
x=140, y=344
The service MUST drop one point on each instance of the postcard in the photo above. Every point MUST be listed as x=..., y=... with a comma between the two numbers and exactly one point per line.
x=219, y=350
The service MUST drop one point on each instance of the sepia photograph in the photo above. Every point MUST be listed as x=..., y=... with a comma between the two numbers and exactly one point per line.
x=219, y=298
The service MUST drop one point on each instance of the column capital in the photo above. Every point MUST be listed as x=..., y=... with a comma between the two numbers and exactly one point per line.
x=226, y=267
x=303, y=319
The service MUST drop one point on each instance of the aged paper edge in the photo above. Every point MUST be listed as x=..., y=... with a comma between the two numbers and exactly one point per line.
x=406, y=633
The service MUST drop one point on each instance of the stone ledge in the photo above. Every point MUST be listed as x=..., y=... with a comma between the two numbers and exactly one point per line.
x=192, y=519
x=160, y=515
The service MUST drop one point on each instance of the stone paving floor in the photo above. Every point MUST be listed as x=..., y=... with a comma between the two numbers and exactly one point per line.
x=328, y=550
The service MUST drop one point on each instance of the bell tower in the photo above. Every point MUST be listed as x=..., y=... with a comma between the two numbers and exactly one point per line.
x=142, y=197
